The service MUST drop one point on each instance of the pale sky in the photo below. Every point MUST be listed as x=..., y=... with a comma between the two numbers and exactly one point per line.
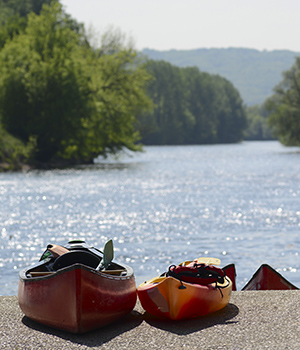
x=192, y=24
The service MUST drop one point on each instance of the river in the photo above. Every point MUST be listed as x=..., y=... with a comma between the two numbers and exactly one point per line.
x=237, y=202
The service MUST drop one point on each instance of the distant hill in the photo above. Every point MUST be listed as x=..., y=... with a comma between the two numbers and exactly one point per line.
x=254, y=73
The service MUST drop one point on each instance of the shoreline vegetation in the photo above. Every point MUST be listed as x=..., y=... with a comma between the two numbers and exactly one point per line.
x=68, y=96
x=12, y=153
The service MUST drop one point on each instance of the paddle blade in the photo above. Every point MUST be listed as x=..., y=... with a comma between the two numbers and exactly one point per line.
x=208, y=261
x=108, y=253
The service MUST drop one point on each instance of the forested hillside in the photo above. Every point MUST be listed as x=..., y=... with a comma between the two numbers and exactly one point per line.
x=63, y=101
x=254, y=73
x=191, y=107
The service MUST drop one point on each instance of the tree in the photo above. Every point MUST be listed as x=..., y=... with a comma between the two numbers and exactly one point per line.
x=257, y=120
x=284, y=107
x=14, y=153
x=9, y=8
x=200, y=97
x=78, y=102
x=13, y=16
x=165, y=124
x=43, y=83
x=117, y=95
x=231, y=115
x=191, y=107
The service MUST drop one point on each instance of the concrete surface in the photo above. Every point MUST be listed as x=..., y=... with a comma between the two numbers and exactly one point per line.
x=252, y=320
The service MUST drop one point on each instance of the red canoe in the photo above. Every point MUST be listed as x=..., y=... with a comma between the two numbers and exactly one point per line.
x=73, y=295
x=266, y=278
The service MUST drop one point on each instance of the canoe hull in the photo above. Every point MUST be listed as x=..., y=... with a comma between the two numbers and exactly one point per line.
x=77, y=298
x=266, y=278
x=231, y=273
x=167, y=297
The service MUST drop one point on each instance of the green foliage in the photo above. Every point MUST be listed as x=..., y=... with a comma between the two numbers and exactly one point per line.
x=13, y=153
x=164, y=125
x=39, y=80
x=258, y=127
x=117, y=84
x=14, y=26
x=76, y=101
x=9, y=8
x=191, y=107
x=284, y=107
x=254, y=73
x=13, y=16
x=229, y=109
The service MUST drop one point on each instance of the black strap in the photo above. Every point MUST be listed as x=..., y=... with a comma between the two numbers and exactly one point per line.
x=201, y=272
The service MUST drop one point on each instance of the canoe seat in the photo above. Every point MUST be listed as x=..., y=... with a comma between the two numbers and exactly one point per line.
x=76, y=257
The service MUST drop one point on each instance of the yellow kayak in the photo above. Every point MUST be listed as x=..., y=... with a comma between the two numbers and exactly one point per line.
x=188, y=290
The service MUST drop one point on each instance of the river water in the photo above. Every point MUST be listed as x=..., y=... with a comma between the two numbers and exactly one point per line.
x=239, y=203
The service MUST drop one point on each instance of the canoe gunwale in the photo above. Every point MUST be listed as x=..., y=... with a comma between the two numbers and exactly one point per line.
x=24, y=278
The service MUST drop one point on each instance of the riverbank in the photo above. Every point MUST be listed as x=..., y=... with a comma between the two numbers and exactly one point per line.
x=252, y=320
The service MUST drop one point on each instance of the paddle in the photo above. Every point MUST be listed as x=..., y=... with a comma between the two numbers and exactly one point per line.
x=209, y=261
x=203, y=260
x=108, y=255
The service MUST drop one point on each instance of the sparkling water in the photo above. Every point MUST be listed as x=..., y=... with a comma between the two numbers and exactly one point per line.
x=239, y=203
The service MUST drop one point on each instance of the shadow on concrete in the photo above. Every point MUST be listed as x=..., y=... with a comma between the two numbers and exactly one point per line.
x=185, y=327
x=105, y=334
x=94, y=338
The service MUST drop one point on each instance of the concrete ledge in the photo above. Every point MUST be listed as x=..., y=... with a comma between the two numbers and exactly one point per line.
x=252, y=320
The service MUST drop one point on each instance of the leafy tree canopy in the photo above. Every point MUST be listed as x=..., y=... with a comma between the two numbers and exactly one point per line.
x=9, y=8
x=191, y=107
x=258, y=127
x=13, y=16
x=77, y=102
x=284, y=107
x=254, y=73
